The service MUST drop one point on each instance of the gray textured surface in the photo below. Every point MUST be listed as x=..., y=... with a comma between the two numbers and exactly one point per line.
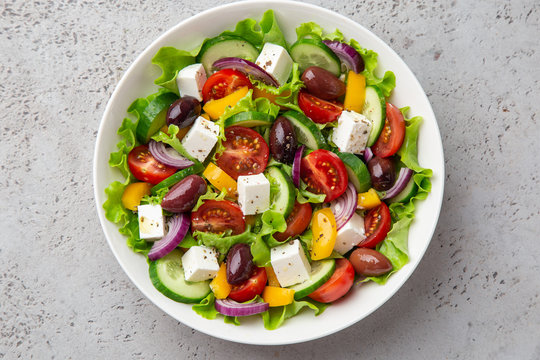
x=475, y=294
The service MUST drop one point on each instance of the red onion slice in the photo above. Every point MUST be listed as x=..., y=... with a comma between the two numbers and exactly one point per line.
x=232, y=308
x=403, y=179
x=347, y=54
x=178, y=228
x=296, y=165
x=344, y=206
x=247, y=67
x=368, y=154
x=168, y=156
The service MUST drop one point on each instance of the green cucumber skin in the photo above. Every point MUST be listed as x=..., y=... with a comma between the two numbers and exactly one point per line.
x=153, y=116
x=334, y=62
x=207, y=57
x=249, y=119
x=377, y=124
x=301, y=292
x=286, y=189
x=177, y=176
x=302, y=125
x=362, y=178
x=154, y=278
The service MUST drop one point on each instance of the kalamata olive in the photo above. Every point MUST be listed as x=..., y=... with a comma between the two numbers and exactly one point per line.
x=183, y=111
x=382, y=173
x=239, y=264
x=322, y=83
x=369, y=262
x=283, y=140
x=183, y=196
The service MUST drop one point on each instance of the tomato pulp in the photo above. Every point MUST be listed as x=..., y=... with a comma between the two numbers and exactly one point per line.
x=377, y=224
x=392, y=134
x=319, y=110
x=297, y=221
x=145, y=167
x=223, y=83
x=217, y=216
x=251, y=287
x=324, y=173
x=338, y=285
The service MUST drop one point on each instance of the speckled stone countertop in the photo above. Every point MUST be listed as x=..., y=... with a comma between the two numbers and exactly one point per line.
x=475, y=295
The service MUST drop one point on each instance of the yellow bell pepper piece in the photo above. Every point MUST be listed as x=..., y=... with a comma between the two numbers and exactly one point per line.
x=206, y=116
x=133, y=193
x=324, y=234
x=219, y=285
x=355, y=95
x=368, y=200
x=271, y=276
x=277, y=296
x=220, y=179
x=216, y=108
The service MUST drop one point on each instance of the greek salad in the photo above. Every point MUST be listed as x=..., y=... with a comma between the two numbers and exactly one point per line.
x=265, y=177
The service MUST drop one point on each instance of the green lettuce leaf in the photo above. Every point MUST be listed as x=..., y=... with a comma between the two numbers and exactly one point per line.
x=128, y=141
x=271, y=31
x=210, y=195
x=188, y=241
x=305, y=196
x=310, y=30
x=171, y=61
x=274, y=317
x=271, y=222
x=206, y=307
x=172, y=140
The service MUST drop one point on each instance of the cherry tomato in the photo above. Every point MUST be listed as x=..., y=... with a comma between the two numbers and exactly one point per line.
x=319, y=110
x=251, y=287
x=297, y=221
x=324, y=173
x=217, y=216
x=392, y=134
x=145, y=167
x=223, y=83
x=338, y=285
x=246, y=152
x=377, y=224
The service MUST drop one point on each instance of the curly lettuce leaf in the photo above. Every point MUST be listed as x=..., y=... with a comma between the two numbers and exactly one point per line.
x=210, y=195
x=271, y=30
x=305, y=196
x=171, y=61
x=172, y=140
x=128, y=141
x=273, y=318
x=287, y=94
x=309, y=30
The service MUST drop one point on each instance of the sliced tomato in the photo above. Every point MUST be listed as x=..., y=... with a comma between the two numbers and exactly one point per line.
x=246, y=152
x=338, y=285
x=217, y=216
x=145, y=167
x=377, y=224
x=392, y=134
x=319, y=110
x=251, y=287
x=324, y=173
x=297, y=221
x=223, y=83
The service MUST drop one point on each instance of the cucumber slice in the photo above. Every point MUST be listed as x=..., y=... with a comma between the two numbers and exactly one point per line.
x=153, y=116
x=250, y=119
x=177, y=176
x=306, y=131
x=321, y=271
x=375, y=110
x=283, y=201
x=225, y=46
x=167, y=275
x=357, y=171
x=406, y=194
x=313, y=52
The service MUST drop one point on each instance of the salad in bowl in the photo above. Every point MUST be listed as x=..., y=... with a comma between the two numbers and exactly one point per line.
x=264, y=176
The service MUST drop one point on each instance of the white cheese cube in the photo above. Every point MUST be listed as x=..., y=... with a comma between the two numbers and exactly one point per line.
x=276, y=61
x=151, y=222
x=351, y=234
x=253, y=194
x=352, y=132
x=201, y=138
x=290, y=263
x=200, y=263
x=190, y=81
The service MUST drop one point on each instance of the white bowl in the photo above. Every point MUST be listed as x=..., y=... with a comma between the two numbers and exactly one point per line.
x=138, y=82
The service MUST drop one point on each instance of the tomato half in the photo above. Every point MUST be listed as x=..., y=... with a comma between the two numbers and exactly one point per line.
x=297, y=221
x=223, y=83
x=392, y=134
x=145, y=167
x=324, y=173
x=319, y=110
x=338, y=285
x=377, y=224
x=251, y=287
x=217, y=216
x=246, y=152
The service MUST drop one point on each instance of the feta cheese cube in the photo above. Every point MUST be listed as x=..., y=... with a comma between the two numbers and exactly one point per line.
x=290, y=263
x=151, y=222
x=201, y=138
x=276, y=61
x=190, y=81
x=200, y=263
x=351, y=234
x=253, y=194
x=352, y=132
